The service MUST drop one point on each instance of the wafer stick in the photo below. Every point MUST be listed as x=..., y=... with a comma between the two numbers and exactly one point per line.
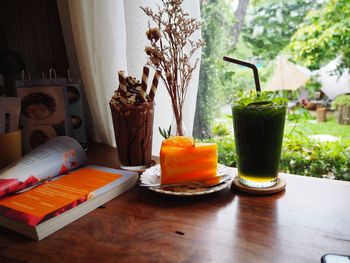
x=122, y=87
x=143, y=95
x=144, y=81
x=154, y=86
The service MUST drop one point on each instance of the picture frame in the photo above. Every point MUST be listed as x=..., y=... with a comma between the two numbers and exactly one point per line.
x=44, y=112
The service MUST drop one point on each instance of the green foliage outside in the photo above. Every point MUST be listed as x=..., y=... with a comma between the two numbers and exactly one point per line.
x=313, y=38
x=342, y=100
x=239, y=82
x=297, y=115
x=226, y=149
x=217, y=22
x=305, y=156
x=220, y=129
x=272, y=26
x=221, y=83
x=312, y=85
x=324, y=35
x=309, y=126
x=301, y=154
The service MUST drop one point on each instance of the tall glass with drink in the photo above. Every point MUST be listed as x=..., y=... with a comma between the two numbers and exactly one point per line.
x=258, y=130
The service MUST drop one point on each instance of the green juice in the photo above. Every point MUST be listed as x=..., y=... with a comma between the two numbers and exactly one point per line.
x=258, y=131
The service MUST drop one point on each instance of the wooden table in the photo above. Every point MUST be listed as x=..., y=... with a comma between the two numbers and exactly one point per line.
x=309, y=219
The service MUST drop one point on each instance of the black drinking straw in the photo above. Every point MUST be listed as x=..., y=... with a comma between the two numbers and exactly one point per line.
x=249, y=65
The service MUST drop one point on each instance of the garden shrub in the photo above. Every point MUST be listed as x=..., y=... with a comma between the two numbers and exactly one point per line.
x=220, y=129
x=305, y=156
x=342, y=100
x=226, y=149
x=300, y=155
x=299, y=113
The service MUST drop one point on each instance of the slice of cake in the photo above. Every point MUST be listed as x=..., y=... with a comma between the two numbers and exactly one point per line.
x=182, y=160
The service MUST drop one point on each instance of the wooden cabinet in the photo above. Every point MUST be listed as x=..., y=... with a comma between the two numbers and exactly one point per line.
x=32, y=29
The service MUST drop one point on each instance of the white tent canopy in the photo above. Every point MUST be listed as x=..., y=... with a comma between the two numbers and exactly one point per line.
x=332, y=84
x=287, y=75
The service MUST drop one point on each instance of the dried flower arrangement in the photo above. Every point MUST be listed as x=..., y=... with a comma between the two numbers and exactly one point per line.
x=171, y=51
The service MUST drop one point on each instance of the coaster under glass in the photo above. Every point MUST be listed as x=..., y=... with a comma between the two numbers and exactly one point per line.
x=278, y=187
x=258, y=184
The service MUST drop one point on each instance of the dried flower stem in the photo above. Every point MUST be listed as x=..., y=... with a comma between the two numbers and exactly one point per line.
x=170, y=40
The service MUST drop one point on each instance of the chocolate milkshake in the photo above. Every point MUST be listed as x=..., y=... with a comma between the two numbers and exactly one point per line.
x=132, y=114
x=133, y=129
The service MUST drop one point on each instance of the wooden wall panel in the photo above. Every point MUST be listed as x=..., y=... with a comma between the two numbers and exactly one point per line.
x=32, y=28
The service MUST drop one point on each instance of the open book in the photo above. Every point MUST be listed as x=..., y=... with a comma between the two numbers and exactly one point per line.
x=50, y=187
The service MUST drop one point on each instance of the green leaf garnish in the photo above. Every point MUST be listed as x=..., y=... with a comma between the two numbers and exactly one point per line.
x=165, y=133
x=264, y=98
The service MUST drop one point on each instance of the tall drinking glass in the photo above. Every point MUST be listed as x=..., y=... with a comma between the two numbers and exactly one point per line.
x=133, y=130
x=258, y=131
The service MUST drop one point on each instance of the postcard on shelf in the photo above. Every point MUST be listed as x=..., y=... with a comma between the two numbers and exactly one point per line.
x=44, y=112
x=50, y=188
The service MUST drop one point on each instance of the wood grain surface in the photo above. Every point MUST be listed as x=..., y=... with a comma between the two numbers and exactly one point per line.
x=309, y=219
x=33, y=30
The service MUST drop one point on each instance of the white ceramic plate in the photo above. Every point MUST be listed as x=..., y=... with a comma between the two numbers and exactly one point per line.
x=152, y=176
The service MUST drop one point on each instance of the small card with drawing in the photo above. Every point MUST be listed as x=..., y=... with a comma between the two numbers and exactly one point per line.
x=44, y=112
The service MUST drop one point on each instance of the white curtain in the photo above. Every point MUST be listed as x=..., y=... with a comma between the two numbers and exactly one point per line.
x=109, y=35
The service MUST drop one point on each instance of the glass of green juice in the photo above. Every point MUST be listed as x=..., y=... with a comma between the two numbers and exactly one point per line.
x=258, y=130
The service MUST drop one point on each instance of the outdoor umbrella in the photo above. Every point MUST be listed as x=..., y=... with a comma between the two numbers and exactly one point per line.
x=287, y=75
x=331, y=83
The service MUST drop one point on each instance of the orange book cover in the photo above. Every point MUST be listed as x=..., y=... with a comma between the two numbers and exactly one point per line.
x=57, y=156
x=55, y=197
x=61, y=191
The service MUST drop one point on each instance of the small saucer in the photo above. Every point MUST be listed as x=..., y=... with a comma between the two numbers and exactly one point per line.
x=152, y=176
x=138, y=169
x=278, y=187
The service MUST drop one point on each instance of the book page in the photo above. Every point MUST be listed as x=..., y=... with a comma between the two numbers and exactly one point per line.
x=57, y=196
x=57, y=156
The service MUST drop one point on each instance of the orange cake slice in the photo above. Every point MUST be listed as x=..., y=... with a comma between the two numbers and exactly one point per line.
x=182, y=160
